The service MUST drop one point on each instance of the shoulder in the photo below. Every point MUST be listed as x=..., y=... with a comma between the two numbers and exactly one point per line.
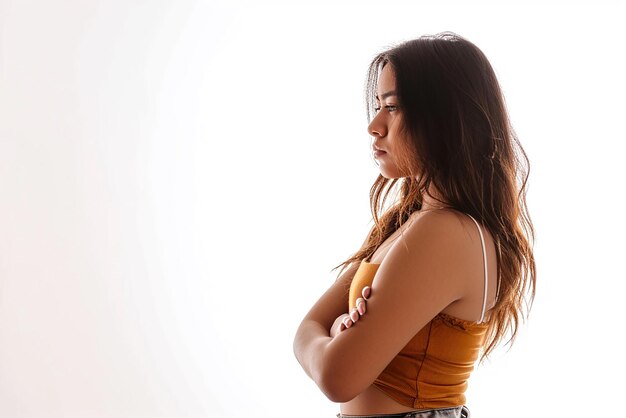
x=448, y=245
x=442, y=247
x=442, y=227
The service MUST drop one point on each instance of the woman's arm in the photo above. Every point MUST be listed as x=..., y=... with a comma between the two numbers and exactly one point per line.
x=314, y=331
x=424, y=271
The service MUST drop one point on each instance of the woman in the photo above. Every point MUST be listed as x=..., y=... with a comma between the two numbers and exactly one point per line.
x=444, y=273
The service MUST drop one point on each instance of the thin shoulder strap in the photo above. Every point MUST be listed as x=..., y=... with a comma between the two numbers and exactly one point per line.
x=482, y=241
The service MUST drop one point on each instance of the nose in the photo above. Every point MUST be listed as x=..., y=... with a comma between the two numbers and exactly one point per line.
x=377, y=127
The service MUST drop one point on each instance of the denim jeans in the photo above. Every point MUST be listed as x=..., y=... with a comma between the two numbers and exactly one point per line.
x=457, y=412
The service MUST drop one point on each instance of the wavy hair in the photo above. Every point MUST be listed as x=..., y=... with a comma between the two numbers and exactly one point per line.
x=460, y=140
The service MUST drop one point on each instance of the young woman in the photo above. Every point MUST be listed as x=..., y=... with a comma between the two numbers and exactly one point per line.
x=445, y=272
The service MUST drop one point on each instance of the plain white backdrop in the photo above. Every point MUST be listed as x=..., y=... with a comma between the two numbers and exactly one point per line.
x=178, y=179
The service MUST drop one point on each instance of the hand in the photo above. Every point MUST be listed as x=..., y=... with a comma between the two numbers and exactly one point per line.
x=346, y=320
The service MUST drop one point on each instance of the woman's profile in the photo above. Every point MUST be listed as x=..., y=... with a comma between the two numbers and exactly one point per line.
x=447, y=269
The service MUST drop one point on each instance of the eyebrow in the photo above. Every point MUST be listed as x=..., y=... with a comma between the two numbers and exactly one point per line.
x=388, y=94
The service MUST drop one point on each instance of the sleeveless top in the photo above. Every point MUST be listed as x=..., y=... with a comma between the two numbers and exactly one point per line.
x=432, y=370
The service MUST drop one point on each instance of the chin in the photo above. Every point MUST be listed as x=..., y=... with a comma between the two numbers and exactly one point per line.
x=391, y=174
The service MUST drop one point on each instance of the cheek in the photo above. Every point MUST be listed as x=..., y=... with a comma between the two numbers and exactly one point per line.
x=397, y=141
x=403, y=155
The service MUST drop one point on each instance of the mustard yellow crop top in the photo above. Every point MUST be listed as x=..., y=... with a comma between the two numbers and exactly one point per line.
x=432, y=370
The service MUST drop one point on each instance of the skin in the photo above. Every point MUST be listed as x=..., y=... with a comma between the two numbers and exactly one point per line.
x=385, y=127
x=432, y=264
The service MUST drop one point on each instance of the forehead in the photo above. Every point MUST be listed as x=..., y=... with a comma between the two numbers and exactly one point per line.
x=386, y=81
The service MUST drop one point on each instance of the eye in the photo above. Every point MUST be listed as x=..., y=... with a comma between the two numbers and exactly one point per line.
x=389, y=108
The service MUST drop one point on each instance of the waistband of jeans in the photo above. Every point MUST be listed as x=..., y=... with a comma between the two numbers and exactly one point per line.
x=412, y=414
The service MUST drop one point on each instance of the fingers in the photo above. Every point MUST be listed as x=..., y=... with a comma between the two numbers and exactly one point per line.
x=359, y=310
x=354, y=315
x=366, y=292
x=361, y=306
x=341, y=324
x=346, y=323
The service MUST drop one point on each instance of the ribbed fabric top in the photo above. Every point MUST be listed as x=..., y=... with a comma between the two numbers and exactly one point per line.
x=432, y=370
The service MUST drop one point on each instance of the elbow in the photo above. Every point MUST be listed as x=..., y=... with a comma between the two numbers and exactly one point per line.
x=338, y=396
x=338, y=376
x=336, y=388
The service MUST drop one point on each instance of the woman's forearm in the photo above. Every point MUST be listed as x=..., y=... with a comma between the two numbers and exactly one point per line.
x=322, y=358
x=312, y=342
x=309, y=346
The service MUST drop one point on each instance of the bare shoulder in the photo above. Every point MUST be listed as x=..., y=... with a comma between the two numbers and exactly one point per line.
x=453, y=241
x=442, y=226
x=433, y=255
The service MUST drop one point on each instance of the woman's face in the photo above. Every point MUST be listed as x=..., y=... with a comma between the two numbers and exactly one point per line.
x=385, y=127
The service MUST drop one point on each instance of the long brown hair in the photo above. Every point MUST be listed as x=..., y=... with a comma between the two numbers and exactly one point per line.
x=460, y=140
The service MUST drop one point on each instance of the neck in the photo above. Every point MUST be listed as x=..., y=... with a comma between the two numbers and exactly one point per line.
x=433, y=200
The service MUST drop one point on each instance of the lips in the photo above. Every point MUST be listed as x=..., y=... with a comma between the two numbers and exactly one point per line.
x=378, y=149
x=378, y=152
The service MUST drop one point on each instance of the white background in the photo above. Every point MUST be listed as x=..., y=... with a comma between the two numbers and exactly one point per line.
x=178, y=178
